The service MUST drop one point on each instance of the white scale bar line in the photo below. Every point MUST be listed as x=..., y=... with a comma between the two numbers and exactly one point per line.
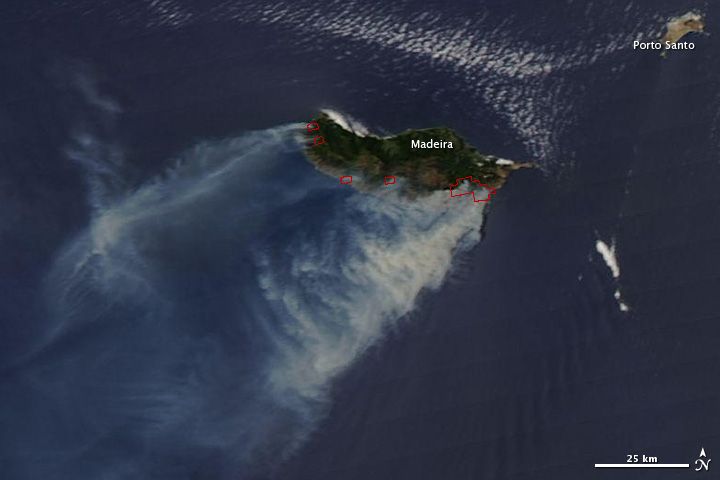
x=642, y=465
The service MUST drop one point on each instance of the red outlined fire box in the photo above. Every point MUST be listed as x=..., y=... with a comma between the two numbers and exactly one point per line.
x=314, y=126
x=345, y=179
x=454, y=193
x=390, y=180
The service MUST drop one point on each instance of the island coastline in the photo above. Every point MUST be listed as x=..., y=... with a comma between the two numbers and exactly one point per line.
x=429, y=159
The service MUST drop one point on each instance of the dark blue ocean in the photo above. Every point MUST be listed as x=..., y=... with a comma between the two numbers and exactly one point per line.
x=182, y=296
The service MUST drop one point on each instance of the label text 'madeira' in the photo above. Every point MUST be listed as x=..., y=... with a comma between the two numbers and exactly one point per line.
x=430, y=144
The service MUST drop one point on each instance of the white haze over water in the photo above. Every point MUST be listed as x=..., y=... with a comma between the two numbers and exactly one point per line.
x=214, y=304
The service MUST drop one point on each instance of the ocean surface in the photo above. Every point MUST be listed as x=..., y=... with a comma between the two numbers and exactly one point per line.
x=182, y=296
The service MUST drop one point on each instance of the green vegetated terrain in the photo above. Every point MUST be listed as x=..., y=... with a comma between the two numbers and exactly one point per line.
x=345, y=153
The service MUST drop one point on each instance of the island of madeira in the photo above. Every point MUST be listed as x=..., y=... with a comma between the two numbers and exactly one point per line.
x=428, y=159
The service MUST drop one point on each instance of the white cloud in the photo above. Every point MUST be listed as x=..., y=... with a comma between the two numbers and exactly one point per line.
x=607, y=252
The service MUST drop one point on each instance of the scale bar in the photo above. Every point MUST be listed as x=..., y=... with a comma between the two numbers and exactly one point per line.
x=642, y=465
